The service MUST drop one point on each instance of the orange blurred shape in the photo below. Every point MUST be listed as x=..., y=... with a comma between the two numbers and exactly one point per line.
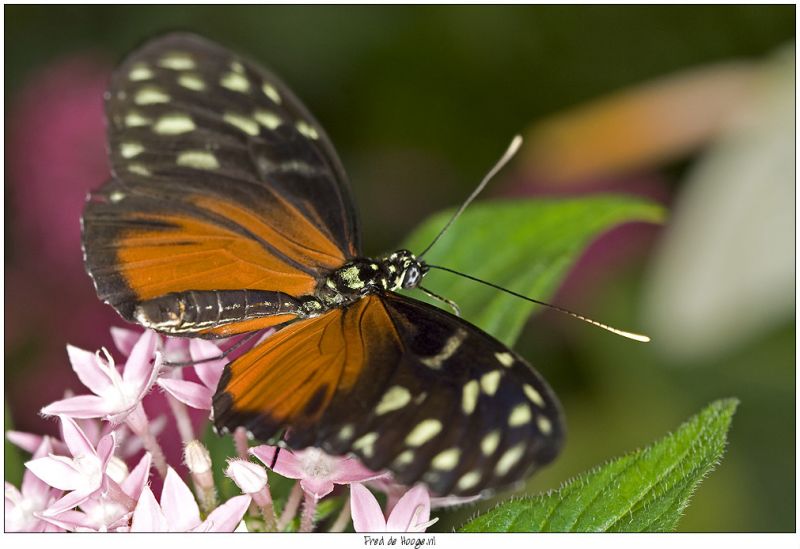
x=638, y=127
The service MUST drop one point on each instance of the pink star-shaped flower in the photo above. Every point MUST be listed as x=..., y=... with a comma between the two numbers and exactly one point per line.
x=82, y=474
x=109, y=509
x=178, y=511
x=316, y=470
x=411, y=513
x=22, y=507
x=115, y=396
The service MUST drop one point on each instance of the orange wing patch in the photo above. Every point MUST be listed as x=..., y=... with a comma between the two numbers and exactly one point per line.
x=196, y=255
x=292, y=377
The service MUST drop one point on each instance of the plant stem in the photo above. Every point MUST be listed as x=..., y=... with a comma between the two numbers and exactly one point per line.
x=307, y=518
x=292, y=503
x=343, y=519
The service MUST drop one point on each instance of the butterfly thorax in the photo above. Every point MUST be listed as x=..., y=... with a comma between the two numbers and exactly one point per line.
x=363, y=276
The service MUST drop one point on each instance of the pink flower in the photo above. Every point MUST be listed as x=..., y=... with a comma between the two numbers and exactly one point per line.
x=178, y=511
x=316, y=470
x=115, y=396
x=109, y=509
x=198, y=395
x=82, y=474
x=22, y=507
x=395, y=491
x=411, y=514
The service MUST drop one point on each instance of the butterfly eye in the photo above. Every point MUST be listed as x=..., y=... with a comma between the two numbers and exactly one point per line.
x=411, y=277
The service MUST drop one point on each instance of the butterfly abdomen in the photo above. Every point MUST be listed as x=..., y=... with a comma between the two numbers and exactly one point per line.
x=190, y=311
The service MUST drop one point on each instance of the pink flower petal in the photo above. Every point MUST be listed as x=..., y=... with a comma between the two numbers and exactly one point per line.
x=124, y=339
x=138, y=368
x=266, y=453
x=413, y=510
x=69, y=520
x=190, y=393
x=351, y=470
x=227, y=516
x=137, y=479
x=83, y=407
x=85, y=366
x=105, y=448
x=76, y=440
x=148, y=517
x=317, y=487
x=31, y=484
x=178, y=504
x=367, y=514
x=27, y=441
x=56, y=471
x=208, y=372
x=72, y=499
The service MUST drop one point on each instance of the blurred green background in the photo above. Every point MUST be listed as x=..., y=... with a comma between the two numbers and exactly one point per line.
x=420, y=101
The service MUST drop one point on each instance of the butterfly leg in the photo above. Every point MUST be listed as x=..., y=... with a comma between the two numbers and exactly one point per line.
x=450, y=302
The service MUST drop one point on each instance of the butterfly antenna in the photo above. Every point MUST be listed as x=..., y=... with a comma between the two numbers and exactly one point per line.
x=508, y=155
x=623, y=333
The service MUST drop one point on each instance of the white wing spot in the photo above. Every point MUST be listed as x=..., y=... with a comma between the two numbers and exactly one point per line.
x=270, y=91
x=116, y=196
x=139, y=72
x=533, y=395
x=468, y=481
x=509, y=459
x=506, y=359
x=177, y=61
x=200, y=160
x=129, y=149
x=191, y=81
x=247, y=125
x=393, y=399
x=150, y=95
x=134, y=120
x=544, y=425
x=446, y=460
x=520, y=415
x=173, y=124
x=268, y=119
x=423, y=432
x=307, y=129
x=448, y=349
x=366, y=444
x=346, y=432
x=138, y=169
x=469, y=396
x=490, y=381
x=404, y=459
x=490, y=442
x=235, y=82
x=237, y=67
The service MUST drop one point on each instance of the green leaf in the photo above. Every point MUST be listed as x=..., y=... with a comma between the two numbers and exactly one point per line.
x=524, y=245
x=644, y=491
x=13, y=466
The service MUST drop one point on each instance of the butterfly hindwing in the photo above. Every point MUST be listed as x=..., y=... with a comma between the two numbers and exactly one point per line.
x=405, y=386
x=222, y=181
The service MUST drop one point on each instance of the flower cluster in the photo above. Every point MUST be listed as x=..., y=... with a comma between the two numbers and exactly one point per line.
x=82, y=480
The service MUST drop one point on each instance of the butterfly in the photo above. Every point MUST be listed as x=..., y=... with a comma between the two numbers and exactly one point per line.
x=229, y=212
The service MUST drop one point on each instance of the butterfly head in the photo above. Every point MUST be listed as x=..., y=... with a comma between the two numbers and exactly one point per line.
x=404, y=270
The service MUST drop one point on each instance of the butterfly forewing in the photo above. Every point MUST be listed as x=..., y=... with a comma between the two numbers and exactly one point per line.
x=411, y=388
x=223, y=180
